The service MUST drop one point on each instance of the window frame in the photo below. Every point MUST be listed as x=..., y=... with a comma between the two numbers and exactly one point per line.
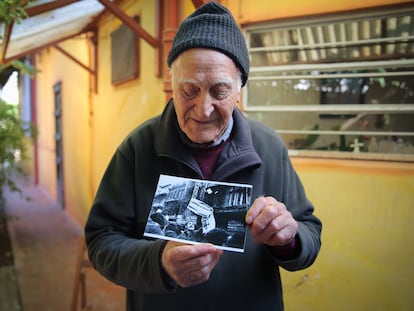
x=125, y=54
x=335, y=109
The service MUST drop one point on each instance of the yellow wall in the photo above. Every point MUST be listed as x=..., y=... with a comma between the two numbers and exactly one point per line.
x=54, y=67
x=252, y=11
x=366, y=208
x=93, y=123
x=103, y=119
x=367, y=252
x=119, y=109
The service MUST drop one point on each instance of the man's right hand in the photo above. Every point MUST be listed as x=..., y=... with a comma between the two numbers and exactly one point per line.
x=188, y=264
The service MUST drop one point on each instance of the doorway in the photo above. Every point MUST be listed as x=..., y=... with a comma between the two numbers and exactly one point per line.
x=57, y=89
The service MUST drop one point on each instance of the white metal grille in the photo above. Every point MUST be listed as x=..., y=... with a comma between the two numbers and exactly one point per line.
x=324, y=83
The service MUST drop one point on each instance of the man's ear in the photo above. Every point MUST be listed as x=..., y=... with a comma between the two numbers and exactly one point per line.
x=238, y=102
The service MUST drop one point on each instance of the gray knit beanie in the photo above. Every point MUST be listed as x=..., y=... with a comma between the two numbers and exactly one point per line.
x=212, y=26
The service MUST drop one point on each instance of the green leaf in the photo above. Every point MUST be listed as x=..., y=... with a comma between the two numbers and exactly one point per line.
x=13, y=10
x=12, y=145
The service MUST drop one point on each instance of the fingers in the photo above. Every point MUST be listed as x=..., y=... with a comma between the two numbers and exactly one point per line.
x=255, y=209
x=189, y=265
x=270, y=222
x=198, y=270
x=263, y=211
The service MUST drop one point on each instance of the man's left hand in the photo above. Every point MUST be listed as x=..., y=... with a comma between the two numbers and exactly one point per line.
x=270, y=222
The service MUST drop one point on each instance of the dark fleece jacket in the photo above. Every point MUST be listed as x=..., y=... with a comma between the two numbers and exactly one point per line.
x=241, y=281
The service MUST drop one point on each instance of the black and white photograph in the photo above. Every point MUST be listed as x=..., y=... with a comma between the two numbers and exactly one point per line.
x=200, y=211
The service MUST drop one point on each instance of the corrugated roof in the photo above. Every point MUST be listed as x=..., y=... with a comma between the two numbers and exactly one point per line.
x=48, y=22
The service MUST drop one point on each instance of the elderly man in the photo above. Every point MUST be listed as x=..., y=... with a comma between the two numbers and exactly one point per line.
x=202, y=134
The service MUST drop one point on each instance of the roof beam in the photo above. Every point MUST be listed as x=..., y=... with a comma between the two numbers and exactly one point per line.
x=70, y=56
x=131, y=23
x=6, y=40
x=197, y=3
x=39, y=48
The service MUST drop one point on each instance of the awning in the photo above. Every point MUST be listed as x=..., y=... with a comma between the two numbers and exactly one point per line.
x=48, y=22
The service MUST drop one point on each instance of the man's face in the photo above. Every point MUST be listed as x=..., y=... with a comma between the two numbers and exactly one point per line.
x=206, y=88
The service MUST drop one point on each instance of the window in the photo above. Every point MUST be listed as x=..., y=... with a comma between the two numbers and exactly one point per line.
x=336, y=85
x=124, y=54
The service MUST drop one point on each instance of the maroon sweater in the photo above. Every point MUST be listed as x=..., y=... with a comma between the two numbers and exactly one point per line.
x=207, y=157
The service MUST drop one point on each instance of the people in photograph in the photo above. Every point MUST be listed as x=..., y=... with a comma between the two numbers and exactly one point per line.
x=203, y=134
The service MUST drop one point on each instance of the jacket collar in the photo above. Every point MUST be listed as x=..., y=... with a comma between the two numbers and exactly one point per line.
x=238, y=155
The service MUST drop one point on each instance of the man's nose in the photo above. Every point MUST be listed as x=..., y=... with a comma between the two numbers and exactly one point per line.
x=204, y=105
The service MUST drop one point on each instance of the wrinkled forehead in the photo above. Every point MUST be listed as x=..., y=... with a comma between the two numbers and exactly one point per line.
x=200, y=64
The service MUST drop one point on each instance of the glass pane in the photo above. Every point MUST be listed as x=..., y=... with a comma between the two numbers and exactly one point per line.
x=383, y=86
x=386, y=133
x=283, y=92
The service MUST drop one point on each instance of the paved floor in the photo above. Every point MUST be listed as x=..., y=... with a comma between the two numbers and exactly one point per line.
x=9, y=291
x=45, y=243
